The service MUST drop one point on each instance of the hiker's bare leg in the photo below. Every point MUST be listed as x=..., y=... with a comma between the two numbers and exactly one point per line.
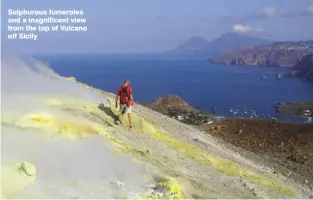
x=121, y=114
x=129, y=120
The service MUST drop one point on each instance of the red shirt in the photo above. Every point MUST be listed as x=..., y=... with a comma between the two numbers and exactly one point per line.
x=124, y=94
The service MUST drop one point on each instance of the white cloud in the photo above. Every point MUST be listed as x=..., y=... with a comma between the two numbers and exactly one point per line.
x=269, y=12
x=310, y=9
x=239, y=28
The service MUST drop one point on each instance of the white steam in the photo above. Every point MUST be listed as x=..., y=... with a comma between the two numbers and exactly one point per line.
x=86, y=168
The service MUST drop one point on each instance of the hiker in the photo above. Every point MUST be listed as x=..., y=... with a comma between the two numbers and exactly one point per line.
x=125, y=94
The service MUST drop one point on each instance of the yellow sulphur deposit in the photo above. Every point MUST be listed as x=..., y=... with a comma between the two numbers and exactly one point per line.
x=15, y=177
x=65, y=126
x=228, y=167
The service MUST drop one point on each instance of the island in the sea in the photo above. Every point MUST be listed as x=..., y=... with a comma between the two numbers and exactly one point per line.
x=281, y=54
x=295, y=56
x=304, y=108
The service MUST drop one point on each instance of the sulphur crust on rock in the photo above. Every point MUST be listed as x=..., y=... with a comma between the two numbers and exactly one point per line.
x=165, y=188
x=71, y=78
x=14, y=178
x=173, y=186
x=28, y=168
x=67, y=127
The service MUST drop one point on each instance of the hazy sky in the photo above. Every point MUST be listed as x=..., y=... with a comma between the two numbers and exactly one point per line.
x=160, y=25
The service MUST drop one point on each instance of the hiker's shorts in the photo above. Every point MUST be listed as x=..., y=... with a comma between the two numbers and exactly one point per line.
x=125, y=109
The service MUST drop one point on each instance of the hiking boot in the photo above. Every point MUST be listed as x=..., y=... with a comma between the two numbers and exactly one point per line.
x=118, y=121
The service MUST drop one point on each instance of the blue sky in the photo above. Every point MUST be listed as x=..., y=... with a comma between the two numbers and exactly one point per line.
x=160, y=25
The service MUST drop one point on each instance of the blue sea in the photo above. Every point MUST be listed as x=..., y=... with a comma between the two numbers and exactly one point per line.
x=233, y=90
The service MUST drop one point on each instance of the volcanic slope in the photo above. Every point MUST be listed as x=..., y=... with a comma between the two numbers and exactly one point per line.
x=59, y=140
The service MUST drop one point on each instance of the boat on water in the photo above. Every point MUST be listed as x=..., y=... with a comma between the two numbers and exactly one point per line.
x=279, y=75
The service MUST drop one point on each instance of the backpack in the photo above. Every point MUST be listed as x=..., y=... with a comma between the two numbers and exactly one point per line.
x=124, y=95
x=125, y=92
